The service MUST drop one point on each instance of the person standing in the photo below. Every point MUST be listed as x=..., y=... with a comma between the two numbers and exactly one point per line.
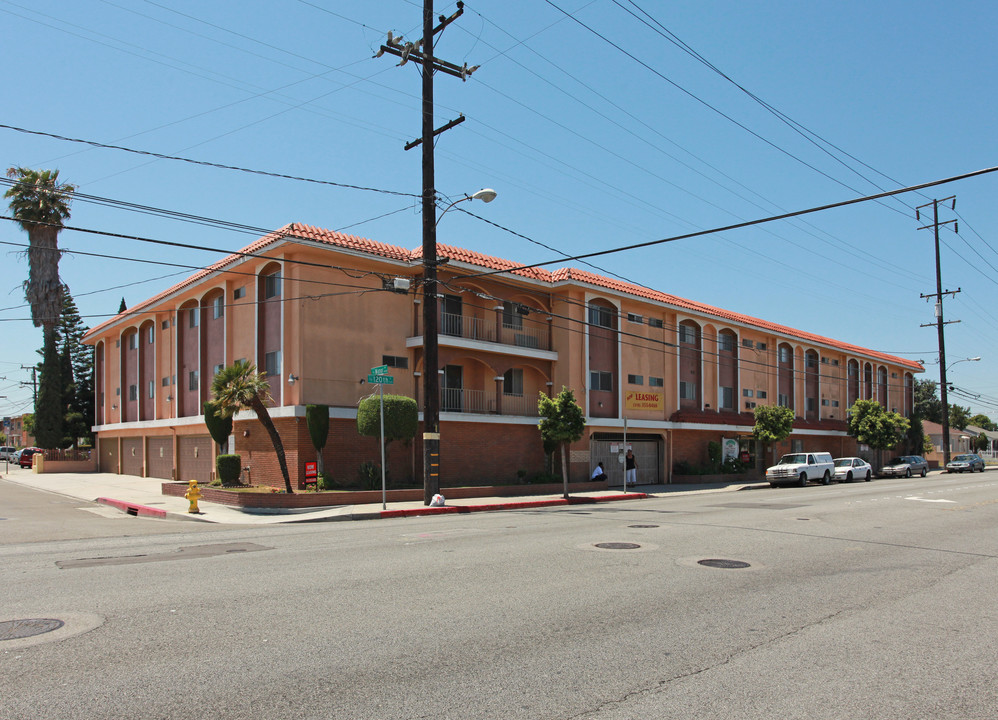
x=631, y=468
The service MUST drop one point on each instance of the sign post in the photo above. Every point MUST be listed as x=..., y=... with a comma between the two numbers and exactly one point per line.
x=379, y=376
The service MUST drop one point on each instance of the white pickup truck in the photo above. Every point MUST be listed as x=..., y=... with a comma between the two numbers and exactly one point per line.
x=799, y=468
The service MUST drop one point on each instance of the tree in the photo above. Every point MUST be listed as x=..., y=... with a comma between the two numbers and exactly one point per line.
x=39, y=203
x=915, y=437
x=78, y=370
x=562, y=422
x=219, y=427
x=983, y=422
x=401, y=419
x=122, y=307
x=317, y=421
x=240, y=386
x=928, y=406
x=870, y=424
x=773, y=423
x=959, y=417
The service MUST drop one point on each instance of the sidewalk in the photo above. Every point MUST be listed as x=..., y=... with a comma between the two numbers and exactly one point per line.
x=143, y=497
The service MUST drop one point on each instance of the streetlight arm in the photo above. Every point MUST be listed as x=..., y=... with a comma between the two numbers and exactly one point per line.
x=486, y=195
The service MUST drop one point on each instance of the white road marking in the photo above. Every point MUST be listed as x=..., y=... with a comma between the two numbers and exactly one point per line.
x=927, y=500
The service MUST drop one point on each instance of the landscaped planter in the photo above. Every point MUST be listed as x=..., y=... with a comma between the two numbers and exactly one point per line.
x=301, y=499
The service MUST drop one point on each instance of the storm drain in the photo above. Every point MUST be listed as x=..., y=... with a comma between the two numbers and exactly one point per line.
x=724, y=564
x=642, y=526
x=14, y=629
x=617, y=546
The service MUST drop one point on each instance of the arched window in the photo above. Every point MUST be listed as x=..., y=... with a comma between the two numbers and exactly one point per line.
x=603, y=370
x=785, y=376
x=727, y=371
x=690, y=366
x=812, y=408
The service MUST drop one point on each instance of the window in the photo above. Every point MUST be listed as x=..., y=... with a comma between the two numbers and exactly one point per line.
x=749, y=405
x=782, y=400
x=193, y=317
x=166, y=381
x=726, y=341
x=272, y=363
x=239, y=292
x=600, y=316
x=747, y=343
x=811, y=360
x=824, y=360
x=635, y=318
x=655, y=322
x=133, y=341
x=133, y=392
x=824, y=402
x=810, y=404
x=152, y=334
x=894, y=374
x=785, y=354
x=687, y=334
x=761, y=346
x=271, y=285
x=512, y=382
x=511, y=318
x=746, y=392
x=117, y=343
x=218, y=307
x=636, y=379
x=599, y=380
x=797, y=445
x=835, y=403
x=152, y=389
x=727, y=398
x=217, y=369
x=687, y=391
x=395, y=361
x=656, y=382
x=117, y=391
x=192, y=380
x=166, y=325
x=761, y=394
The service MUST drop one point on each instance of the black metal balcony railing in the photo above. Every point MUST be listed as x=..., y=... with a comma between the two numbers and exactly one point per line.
x=523, y=335
x=480, y=402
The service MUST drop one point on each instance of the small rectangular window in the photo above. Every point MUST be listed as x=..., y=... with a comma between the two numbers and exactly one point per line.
x=117, y=391
x=635, y=318
x=824, y=360
x=810, y=404
x=152, y=389
x=894, y=374
x=727, y=398
x=511, y=317
x=760, y=346
x=395, y=361
x=797, y=445
x=761, y=394
x=600, y=316
x=512, y=382
x=193, y=317
x=687, y=334
x=687, y=391
x=747, y=392
x=835, y=362
x=218, y=307
x=747, y=343
x=785, y=355
x=133, y=392
x=166, y=325
x=636, y=379
x=272, y=363
x=782, y=400
x=166, y=382
x=835, y=403
x=133, y=341
x=152, y=334
x=239, y=292
x=600, y=380
x=271, y=286
x=192, y=380
x=217, y=369
x=726, y=342
x=824, y=402
x=655, y=322
x=749, y=405
x=655, y=382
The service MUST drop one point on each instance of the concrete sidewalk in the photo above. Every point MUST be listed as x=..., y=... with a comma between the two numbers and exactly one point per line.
x=143, y=497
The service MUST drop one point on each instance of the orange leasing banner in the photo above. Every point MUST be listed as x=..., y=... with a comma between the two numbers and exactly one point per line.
x=637, y=400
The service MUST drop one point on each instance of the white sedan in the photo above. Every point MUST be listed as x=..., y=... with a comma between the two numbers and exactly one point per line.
x=852, y=468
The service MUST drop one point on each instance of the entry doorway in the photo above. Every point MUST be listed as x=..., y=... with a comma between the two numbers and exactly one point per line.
x=649, y=453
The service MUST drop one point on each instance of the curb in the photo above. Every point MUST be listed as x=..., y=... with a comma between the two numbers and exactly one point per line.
x=133, y=508
x=520, y=505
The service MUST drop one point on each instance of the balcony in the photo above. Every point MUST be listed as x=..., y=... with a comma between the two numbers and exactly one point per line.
x=481, y=402
x=516, y=332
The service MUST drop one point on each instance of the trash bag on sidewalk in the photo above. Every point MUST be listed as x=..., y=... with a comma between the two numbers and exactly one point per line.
x=437, y=500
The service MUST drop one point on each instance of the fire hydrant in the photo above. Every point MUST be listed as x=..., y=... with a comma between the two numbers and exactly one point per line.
x=192, y=495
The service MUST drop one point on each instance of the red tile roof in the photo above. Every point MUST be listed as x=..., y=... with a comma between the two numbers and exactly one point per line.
x=488, y=262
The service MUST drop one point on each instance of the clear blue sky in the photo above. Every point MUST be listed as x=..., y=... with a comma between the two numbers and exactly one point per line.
x=588, y=147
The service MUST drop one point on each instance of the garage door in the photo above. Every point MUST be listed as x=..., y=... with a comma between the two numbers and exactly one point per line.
x=160, y=458
x=648, y=453
x=131, y=456
x=194, y=458
x=108, y=448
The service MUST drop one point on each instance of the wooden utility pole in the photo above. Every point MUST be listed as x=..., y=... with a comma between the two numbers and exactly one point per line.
x=422, y=52
x=940, y=323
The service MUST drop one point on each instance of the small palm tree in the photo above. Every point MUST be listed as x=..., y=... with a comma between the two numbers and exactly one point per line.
x=240, y=386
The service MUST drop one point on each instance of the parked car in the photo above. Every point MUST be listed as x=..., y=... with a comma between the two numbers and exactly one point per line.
x=965, y=463
x=24, y=456
x=7, y=453
x=852, y=468
x=801, y=467
x=905, y=466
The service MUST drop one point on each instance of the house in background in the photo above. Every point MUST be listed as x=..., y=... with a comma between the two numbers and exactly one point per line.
x=960, y=442
x=315, y=310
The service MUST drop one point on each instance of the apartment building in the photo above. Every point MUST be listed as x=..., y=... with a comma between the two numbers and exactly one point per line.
x=316, y=310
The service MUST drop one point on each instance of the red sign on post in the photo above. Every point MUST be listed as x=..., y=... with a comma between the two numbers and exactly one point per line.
x=311, y=472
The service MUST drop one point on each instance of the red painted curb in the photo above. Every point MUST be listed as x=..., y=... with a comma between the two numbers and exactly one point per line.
x=133, y=508
x=451, y=509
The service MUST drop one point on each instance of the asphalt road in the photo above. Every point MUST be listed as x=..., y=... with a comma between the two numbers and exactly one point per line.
x=870, y=600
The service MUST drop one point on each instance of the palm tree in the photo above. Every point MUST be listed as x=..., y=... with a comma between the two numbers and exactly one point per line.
x=39, y=203
x=240, y=386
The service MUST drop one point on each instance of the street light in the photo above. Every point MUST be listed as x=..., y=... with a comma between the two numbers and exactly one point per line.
x=431, y=378
x=973, y=359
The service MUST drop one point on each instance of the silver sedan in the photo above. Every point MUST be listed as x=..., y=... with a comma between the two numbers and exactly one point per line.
x=852, y=468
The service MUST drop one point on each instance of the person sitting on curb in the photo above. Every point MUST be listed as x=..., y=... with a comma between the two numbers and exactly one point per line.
x=599, y=474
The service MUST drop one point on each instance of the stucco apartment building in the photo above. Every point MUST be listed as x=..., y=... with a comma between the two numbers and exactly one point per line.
x=317, y=309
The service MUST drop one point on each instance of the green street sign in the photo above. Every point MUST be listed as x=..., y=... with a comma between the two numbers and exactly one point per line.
x=380, y=370
x=381, y=379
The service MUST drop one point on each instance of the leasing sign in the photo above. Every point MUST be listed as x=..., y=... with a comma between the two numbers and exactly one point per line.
x=639, y=400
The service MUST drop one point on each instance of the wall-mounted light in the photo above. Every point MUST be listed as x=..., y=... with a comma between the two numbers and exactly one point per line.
x=169, y=398
x=292, y=378
x=114, y=406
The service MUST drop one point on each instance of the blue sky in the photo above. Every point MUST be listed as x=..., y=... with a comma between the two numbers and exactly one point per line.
x=591, y=142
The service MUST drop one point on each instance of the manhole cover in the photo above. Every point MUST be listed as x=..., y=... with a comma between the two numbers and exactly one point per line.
x=617, y=546
x=726, y=564
x=643, y=526
x=14, y=629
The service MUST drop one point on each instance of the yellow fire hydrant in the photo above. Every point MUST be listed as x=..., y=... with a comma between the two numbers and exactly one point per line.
x=192, y=495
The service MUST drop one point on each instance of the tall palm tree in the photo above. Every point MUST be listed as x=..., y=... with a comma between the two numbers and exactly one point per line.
x=39, y=203
x=240, y=386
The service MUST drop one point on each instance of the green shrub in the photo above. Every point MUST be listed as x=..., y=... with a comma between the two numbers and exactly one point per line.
x=545, y=478
x=682, y=467
x=370, y=476
x=228, y=468
x=324, y=481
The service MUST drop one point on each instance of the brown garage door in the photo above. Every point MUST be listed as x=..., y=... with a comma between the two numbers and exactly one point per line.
x=194, y=458
x=131, y=456
x=161, y=457
x=108, y=448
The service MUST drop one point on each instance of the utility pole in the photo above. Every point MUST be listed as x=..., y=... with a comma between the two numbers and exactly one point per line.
x=34, y=385
x=422, y=52
x=940, y=323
